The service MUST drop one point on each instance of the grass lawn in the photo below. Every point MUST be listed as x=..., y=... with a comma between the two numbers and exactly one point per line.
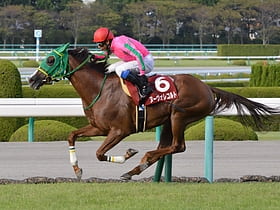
x=152, y=196
x=272, y=135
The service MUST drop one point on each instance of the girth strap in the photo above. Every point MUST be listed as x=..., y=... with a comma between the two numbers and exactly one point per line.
x=141, y=118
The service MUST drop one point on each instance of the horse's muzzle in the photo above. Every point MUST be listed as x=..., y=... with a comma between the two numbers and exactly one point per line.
x=35, y=84
x=37, y=79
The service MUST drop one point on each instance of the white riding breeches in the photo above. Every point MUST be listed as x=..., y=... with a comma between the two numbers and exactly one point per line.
x=121, y=66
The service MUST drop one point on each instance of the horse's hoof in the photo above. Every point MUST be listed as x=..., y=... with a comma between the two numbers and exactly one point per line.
x=126, y=177
x=130, y=153
x=79, y=173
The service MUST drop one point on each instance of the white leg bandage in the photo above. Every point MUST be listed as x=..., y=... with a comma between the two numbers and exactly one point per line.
x=73, y=157
x=116, y=159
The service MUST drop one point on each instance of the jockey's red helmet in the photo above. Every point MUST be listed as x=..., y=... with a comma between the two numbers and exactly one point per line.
x=102, y=35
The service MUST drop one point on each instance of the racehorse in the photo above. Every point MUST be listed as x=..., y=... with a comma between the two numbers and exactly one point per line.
x=112, y=113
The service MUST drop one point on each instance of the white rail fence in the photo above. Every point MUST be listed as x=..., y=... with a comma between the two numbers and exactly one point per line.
x=40, y=107
x=52, y=107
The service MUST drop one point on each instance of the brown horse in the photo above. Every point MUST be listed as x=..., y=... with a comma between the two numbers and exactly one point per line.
x=111, y=112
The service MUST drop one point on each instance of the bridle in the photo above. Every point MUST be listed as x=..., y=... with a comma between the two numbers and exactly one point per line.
x=61, y=69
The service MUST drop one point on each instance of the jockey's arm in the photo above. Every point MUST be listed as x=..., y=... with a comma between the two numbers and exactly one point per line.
x=139, y=58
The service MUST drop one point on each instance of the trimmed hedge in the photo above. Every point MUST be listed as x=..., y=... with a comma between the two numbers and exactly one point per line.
x=224, y=129
x=77, y=122
x=248, y=50
x=10, y=81
x=51, y=91
x=30, y=63
x=45, y=130
x=265, y=75
x=10, y=87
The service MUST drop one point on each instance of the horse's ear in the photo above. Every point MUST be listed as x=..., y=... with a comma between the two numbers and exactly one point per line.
x=63, y=48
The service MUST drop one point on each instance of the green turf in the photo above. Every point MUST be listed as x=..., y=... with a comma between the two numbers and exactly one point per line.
x=271, y=135
x=158, y=196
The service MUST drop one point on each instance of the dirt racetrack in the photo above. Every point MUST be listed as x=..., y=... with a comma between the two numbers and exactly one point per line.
x=48, y=162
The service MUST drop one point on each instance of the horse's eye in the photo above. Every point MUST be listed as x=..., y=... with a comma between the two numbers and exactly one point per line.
x=50, y=60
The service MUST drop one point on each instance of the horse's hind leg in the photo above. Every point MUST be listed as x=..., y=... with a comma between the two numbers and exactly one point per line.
x=168, y=144
x=166, y=135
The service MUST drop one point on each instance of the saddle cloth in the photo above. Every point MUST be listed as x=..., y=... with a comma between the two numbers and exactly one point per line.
x=163, y=86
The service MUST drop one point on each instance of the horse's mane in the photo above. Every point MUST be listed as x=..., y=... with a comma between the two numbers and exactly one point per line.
x=82, y=53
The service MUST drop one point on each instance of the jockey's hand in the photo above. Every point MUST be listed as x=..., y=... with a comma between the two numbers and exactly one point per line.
x=94, y=58
x=141, y=72
x=109, y=70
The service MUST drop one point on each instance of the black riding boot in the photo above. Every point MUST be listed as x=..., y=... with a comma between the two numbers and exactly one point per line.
x=141, y=82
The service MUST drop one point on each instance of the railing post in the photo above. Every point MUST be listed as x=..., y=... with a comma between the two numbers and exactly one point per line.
x=158, y=131
x=167, y=159
x=208, y=153
x=160, y=162
x=168, y=168
x=158, y=171
x=31, y=129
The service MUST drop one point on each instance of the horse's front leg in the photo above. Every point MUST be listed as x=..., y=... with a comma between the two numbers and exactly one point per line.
x=88, y=130
x=113, y=138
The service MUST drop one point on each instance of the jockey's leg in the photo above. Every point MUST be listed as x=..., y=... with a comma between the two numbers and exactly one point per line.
x=140, y=81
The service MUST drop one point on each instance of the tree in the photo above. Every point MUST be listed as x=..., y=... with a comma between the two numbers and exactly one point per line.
x=12, y=23
x=207, y=2
x=248, y=20
x=268, y=14
x=230, y=18
x=167, y=20
x=139, y=16
x=54, y=5
x=99, y=18
x=201, y=22
x=74, y=17
x=150, y=21
x=154, y=19
x=184, y=28
x=45, y=21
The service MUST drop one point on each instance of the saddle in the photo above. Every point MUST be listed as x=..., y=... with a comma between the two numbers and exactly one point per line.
x=163, y=90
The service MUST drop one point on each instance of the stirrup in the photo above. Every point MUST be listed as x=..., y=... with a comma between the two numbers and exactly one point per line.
x=144, y=92
x=147, y=90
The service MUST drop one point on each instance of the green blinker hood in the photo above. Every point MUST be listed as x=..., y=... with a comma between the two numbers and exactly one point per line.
x=60, y=65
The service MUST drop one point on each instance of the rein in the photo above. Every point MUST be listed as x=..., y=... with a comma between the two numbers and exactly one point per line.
x=101, y=88
x=102, y=85
x=98, y=95
x=78, y=67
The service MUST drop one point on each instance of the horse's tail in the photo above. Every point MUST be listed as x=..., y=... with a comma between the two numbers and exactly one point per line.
x=259, y=112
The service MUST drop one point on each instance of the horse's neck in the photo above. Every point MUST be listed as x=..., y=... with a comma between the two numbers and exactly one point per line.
x=87, y=84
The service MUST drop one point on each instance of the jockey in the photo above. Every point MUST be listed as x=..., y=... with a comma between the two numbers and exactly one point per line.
x=136, y=60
